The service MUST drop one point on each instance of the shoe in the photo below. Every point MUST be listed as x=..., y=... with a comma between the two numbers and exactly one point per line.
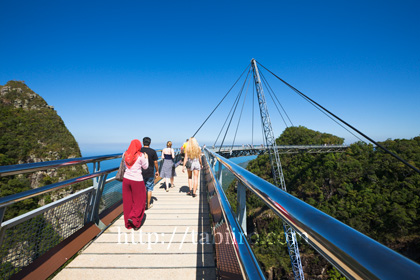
x=167, y=190
x=188, y=193
x=172, y=186
x=130, y=221
x=194, y=195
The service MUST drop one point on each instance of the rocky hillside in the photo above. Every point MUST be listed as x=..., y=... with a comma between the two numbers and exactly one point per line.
x=32, y=131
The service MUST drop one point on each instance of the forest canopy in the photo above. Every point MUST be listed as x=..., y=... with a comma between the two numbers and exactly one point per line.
x=363, y=187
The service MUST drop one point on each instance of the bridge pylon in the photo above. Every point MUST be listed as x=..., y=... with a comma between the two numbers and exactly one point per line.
x=277, y=171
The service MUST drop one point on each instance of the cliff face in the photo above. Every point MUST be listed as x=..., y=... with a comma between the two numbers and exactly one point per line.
x=18, y=95
x=32, y=131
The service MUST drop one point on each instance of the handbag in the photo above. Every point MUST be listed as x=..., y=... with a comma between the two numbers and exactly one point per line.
x=121, y=171
x=188, y=164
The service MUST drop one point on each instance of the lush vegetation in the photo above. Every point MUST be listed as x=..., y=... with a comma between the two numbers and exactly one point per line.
x=31, y=131
x=20, y=246
x=363, y=187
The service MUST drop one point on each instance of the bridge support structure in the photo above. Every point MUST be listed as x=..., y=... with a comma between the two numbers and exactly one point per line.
x=277, y=171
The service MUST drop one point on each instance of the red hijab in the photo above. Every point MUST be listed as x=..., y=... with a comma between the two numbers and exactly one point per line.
x=132, y=153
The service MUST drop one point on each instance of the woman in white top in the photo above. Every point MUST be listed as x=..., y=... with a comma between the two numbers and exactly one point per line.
x=134, y=190
x=168, y=168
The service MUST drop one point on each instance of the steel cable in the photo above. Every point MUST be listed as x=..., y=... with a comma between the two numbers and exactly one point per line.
x=221, y=101
x=344, y=122
x=227, y=118
x=271, y=92
x=240, y=116
x=236, y=106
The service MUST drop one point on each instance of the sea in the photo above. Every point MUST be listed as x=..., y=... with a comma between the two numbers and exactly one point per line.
x=108, y=164
x=115, y=163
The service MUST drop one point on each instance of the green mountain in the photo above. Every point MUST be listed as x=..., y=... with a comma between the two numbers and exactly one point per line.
x=32, y=131
x=363, y=187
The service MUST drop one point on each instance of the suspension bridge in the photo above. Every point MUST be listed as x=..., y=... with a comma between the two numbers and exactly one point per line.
x=82, y=235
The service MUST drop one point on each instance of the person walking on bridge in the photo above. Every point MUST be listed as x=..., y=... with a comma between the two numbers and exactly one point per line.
x=149, y=174
x=134, y=190
x=183, y=148
x=168, y=167
x=193, y=159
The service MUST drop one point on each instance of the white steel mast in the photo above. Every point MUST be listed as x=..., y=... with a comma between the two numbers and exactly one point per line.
x=277, y=171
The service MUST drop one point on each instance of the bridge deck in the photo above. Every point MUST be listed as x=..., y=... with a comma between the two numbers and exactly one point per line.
x=166, y=247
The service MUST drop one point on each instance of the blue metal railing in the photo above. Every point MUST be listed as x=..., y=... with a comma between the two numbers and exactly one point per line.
x=26, y=237
x=247, y=150
x=246, y=259
x=354, y=254
x=32, y=167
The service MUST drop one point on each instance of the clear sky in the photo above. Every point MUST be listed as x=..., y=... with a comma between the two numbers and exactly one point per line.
x=119, y=70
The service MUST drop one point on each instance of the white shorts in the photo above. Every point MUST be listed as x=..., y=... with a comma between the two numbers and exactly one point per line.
x=195, y=164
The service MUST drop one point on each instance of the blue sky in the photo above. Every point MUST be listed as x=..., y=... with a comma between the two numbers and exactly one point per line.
x=119, y=70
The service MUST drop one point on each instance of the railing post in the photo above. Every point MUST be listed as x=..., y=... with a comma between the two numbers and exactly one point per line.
x=96, y=168
x=212, y=162
x=219, y=173
x=93, y=215
x=241, y=209
x=2, y=211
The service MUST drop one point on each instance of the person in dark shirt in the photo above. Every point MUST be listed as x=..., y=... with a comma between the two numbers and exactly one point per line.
x=149, y=174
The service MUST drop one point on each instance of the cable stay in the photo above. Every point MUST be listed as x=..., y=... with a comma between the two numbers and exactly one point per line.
x=221, y=101
x=240, y=116
x=321, y=108
x=323, y=113
x=239, y=96
x=227, y=118
x=230, y=112
x=253, y=101
x=271, y=92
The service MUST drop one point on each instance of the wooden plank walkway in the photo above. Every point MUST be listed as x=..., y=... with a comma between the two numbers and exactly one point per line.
x=166, y=247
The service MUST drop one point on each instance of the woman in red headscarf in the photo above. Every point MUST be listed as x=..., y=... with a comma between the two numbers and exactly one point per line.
x=134, y=190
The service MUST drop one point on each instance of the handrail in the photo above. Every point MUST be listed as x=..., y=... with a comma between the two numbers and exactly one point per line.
x=22, y=218
x=248, y=263
x=248, y=150
x=354, y=254
x=8, y=170
x=259, y=147
x=31, y=167
x=84, y=206
x=10, y=199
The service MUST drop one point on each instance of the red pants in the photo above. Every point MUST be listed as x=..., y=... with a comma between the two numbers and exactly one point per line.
x=134, y=201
